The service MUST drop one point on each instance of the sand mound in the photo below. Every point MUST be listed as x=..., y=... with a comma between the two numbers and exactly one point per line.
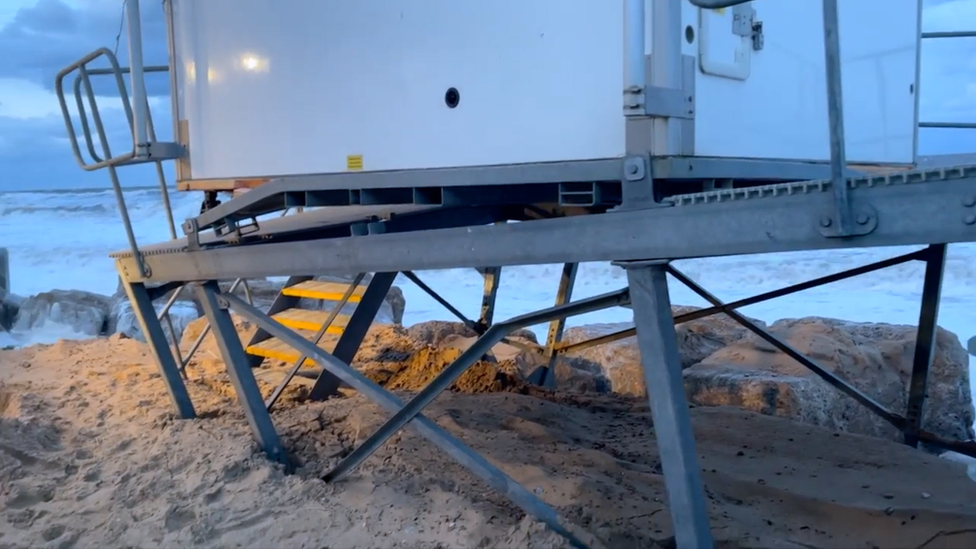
x=91, y=456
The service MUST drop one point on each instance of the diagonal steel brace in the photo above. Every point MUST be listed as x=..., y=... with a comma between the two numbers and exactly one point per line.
x=831, y=378
x=468, y=458
x=450, y=374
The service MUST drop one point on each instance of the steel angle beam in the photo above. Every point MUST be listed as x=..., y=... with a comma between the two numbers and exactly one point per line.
x=241, y=376
x=663, y=381
x=145, y=313
x=785, y=219
x=273, y=192
x=935, y=257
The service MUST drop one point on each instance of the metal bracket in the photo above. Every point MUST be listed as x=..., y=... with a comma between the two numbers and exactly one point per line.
x=637, y=186
x=744, y=23
x=192, y=232
x=665, y=102
x=635, y=168
x=865, y=217
x=164, y=150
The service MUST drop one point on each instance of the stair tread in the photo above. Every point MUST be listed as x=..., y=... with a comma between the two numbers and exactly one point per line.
x=276, y=349
x=306, y=319
x=324, y=290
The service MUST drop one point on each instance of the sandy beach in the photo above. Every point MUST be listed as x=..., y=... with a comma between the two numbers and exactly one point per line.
x=92, y=456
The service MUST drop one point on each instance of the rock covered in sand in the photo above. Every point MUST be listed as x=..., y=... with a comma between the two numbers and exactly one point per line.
x=876, y=358
x=618, y=363
x=726, y=365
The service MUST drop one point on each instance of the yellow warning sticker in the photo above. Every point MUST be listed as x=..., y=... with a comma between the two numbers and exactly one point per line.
x=354, y=162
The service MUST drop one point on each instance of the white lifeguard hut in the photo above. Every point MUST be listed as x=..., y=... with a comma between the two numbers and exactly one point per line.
x=409, y=133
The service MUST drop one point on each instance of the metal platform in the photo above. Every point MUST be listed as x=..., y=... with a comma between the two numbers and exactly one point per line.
x=906, y=208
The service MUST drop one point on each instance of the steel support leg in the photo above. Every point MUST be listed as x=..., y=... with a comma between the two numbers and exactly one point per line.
x=241, y=376
x=327, y=384
x=924, y=340
x=656, y=339
x=544, y=376
x=145, y=314
x=492, y=279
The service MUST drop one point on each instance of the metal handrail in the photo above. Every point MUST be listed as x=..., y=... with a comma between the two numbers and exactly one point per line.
x=949, y=34
x=81, y=67
x=106, y=159
x=90, y=145
x=843, y=211
x=948, y=125
x=83, y=115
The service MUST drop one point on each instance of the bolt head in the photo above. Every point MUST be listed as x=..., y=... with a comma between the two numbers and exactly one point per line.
x=825, y=221
x=969, y=201
x=632, y=169
x=862, y=219
x=970, y=219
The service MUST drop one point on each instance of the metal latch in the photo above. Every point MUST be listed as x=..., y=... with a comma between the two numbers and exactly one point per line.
x=744, y=23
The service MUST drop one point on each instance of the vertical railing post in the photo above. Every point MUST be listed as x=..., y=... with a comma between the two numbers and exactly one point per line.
x=140, y=103
x=843, y=212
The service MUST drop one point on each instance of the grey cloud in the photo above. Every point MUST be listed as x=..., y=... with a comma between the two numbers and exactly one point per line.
x=35, y=154
x=42, y=39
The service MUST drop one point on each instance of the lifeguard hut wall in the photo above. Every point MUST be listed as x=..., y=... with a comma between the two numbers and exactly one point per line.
x=268, y=89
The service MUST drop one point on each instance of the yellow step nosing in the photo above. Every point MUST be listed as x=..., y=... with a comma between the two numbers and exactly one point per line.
x=321, y=296
x=312, y=321
x=324, y=290
x=275, y=349
x=310, y=326
x=289, y=355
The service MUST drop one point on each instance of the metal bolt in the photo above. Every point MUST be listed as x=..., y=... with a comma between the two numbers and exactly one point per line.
x=825, y=221
x=969, y=201
x=862, y=219
x=970, y=219
x=632, y=169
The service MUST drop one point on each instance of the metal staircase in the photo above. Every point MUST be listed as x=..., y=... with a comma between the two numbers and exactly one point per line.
x=294, y=307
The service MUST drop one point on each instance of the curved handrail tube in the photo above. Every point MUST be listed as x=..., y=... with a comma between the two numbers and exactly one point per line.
x=83, y=113
x=69, y=125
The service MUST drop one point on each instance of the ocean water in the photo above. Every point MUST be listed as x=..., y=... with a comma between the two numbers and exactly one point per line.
x=61, y=240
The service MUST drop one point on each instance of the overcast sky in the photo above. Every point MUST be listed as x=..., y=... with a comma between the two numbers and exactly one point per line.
x=39, y=37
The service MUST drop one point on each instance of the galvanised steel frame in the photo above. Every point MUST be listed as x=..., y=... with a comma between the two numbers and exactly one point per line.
x=912, y=208
x=641, y=211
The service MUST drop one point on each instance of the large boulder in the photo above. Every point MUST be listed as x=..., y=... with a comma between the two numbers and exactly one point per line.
x=184, y=310
x=876, y=358
x=181, y=314
x=71, y=312
x=618, y=363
